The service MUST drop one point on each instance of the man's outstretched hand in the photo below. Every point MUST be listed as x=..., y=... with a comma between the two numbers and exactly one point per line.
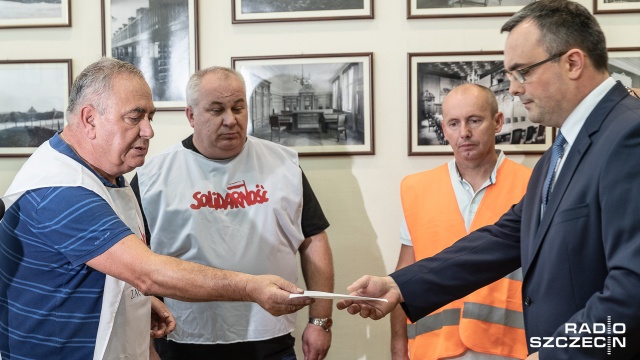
x=375, y=287
x=272, y=293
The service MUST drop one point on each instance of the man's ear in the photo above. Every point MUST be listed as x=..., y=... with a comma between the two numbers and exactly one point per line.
x=88, y=117
x=576, y=61
x=499, y=121
x=189, y=112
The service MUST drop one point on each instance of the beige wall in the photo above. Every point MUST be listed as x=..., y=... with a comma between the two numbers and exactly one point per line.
x=359, y=193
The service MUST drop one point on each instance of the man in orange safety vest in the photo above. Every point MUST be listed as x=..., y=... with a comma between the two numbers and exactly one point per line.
x=442, y=205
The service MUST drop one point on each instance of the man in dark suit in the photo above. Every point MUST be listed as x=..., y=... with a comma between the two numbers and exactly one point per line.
x=575, y=232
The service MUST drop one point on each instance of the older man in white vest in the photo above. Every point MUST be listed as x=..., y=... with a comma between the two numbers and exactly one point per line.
x=75, y=269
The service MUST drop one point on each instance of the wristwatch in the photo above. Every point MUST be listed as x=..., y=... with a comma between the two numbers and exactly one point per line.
x=324, y=323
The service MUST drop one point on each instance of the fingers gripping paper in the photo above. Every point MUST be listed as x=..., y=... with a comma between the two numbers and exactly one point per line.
x=326, y=295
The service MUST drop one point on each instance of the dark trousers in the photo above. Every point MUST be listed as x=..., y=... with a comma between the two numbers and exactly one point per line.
x=279, y=348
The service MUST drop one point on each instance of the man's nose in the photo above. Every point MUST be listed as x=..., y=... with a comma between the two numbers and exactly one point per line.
x=465, y=130
x=516, y=88
x=229, y=118
x=146, y=130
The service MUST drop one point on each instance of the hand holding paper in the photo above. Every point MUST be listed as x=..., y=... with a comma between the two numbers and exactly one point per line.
x=326, y=295
x=368, y=288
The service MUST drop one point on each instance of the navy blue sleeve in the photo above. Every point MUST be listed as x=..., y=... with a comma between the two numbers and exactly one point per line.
x=75, y=221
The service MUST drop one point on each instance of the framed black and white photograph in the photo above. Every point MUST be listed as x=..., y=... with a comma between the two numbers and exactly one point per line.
x=433, y=75
x=251, y=11
x=624, y=66
x=33, y=100
x=160, y=38
x=615, y=6
x=34, y=13
x=420, y=9
x=315, y=104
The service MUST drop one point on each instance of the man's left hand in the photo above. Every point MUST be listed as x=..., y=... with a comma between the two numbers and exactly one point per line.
x=162, y=322
x=315, y=342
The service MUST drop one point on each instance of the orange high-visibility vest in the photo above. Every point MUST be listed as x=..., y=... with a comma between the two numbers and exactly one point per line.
x=488, y=320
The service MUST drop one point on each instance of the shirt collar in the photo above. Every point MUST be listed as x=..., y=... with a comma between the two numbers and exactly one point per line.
x=453, y=169
x=572, y=125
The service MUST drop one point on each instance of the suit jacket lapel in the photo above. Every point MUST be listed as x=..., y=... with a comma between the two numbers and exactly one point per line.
x=573, y=158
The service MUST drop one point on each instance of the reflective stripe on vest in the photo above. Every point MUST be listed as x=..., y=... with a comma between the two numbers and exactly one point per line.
x=473, y=311
x=492, y=314
x=434, y=322
x=515, y=276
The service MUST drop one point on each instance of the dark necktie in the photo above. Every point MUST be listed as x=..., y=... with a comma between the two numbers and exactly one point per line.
x=556, y=155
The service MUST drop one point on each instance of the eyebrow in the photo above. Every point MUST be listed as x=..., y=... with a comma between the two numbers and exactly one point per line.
x=239, y=100
x=139, y=110
x=466, y=118
x=513, y=67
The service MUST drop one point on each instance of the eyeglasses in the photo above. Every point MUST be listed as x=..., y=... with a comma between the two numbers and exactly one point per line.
x=519, y=74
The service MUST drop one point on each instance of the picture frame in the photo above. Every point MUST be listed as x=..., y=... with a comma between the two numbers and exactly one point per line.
x=32, y=107
x=254, y=11
x=433, y=75
x=160, y=38
x=316, y=104
x=424, y=9
x=52, y=13
x=615, y=6
x=624, y=66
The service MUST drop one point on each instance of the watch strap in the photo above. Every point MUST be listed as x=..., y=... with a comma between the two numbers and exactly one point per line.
x=324, y=323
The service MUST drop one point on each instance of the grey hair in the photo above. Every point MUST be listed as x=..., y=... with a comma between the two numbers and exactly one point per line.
x=564, y=25
x=93, y=85
x=222, y=73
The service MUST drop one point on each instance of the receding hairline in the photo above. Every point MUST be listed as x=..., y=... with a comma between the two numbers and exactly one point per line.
x=194, y=84
x=489, y=96
x=93, y=84
x=124, y=78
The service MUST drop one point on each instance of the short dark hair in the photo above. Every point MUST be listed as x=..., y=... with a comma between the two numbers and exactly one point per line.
x=564, y=25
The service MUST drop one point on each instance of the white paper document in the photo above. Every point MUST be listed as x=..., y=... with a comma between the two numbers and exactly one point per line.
x=326, y=295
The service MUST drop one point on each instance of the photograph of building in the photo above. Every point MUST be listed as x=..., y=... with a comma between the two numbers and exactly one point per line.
x=154, y=36
x=29, y=9
x=32, y=106
x=265, y=6
x=307, y=104
x=626, y=70
x=432, y=4
x=437, y=79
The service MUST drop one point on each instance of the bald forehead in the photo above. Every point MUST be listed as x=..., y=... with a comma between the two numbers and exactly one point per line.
x=222, y=84
x=222, y=89
x=465, y=91
x=126, y=77
x=222, y=77
x=133, y=92
x=482, y=98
